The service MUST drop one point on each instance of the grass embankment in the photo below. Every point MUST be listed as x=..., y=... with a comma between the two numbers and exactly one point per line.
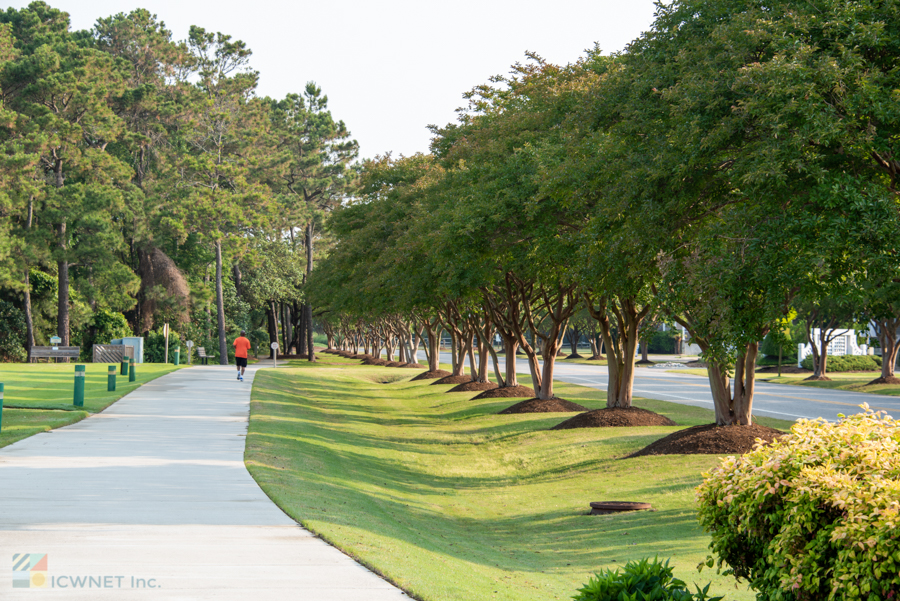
x=453, y=502
x=38, y=396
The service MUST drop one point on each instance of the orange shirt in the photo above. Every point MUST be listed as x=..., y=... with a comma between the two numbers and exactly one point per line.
x=241, y=346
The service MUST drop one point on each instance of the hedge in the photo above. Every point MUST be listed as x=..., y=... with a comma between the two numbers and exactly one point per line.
x=813, y=515
x=837, y=363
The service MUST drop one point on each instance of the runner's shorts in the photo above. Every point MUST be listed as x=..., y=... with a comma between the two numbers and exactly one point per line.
x=241, y=361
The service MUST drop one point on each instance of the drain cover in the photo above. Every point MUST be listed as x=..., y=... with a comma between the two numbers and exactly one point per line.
x=602, y=507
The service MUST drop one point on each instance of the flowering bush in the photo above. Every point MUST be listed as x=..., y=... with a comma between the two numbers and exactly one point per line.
x=814, y=515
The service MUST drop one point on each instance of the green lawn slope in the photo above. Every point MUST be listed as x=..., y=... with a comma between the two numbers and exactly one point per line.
x=452, y=502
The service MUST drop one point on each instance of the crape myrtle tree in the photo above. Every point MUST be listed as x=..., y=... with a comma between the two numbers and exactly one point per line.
x=517, y=240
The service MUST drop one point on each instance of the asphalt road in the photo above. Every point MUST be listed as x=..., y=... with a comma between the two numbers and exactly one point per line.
x=773, y=400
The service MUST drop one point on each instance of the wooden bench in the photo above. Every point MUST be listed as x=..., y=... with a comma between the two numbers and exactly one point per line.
x=55, y=352
x=201, y=353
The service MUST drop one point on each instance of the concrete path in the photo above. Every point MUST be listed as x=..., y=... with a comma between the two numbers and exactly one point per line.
x=774, y=400
x=151, y=500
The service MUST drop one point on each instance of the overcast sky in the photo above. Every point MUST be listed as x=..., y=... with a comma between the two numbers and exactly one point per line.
x=390, y=68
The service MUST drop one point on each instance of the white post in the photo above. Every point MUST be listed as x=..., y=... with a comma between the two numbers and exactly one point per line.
x=166, y=334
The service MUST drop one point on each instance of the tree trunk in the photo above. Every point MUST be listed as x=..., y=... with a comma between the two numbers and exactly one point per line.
x=887, y=330
x=220, y=306
x=62, y=301
x=29, y=316
x=301, y=348
x=309, y=267
x=620, y=351
x=434, y=346
x=511, y=346
x=745, y=381
x=645, y=351
x=272, y=326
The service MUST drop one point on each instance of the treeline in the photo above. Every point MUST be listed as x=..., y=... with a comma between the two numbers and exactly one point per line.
x=734, y=169
x=145, y=182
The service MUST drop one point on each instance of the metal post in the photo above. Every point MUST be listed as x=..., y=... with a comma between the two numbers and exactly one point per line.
x=177, y=358
x=131, y=377
x=79, y=386
x=166, y=334
x=1, y=405
x=111, y=379
x=124, y=371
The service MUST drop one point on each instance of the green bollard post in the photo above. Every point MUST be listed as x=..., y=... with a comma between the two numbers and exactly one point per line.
x=177, y=356
x=111, y=379
x=125, y=366
x=1, y=405
x=79, y=386
x=131, y=377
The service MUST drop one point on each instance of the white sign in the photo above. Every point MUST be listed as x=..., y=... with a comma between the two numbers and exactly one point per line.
x=274, y=345
x=189, y=343
x=55, y=340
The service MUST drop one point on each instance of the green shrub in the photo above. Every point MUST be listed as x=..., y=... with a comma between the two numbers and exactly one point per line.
x=785, y=360
x=155, y=346
x=663, y=343
x=814, y=515
x=12, y=333
x=645, y=580
x=836, y=363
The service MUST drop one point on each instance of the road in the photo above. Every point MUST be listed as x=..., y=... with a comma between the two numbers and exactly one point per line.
x=773, y=400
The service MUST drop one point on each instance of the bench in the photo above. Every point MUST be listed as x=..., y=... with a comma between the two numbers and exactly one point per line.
x=55, y=352
x=201, y=353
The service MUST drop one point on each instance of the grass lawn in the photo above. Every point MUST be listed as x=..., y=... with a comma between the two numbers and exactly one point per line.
x=38, y=396
x=453, y=502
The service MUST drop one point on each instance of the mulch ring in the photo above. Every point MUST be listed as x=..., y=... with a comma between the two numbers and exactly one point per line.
x=374, y=362
x=553, y=405
x=451, y=379
x=473, y=386
x=432, y=375
x=888, y=380
x=710, y=439
x=414, y=365
x=394, y=364
x=615, y=417
x=574, y=356
x=506, y=392
x=697, y=364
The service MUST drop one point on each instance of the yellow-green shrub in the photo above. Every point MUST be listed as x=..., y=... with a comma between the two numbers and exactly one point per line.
x=814, y=515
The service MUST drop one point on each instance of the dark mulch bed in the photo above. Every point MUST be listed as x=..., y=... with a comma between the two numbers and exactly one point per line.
x=785, y=369
x=374, y=362
x=710, y=439
x=413, y=365
x=553, y=405
x=647, y=362
x=473, y=386
x=453, y=380
x=697, y=364
x=432, y=375
x=394, y=364
x=506, y=392
x=615, y=417
x=888, y=380
x=575, y=356
x=596, y=358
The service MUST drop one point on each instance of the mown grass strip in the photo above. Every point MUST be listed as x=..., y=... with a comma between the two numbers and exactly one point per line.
x=38, y=396
x=453, y=502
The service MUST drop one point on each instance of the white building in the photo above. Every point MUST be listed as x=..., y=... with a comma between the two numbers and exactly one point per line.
x=844, y=343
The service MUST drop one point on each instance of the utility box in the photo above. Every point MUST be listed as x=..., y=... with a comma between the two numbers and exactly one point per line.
x=134, y=341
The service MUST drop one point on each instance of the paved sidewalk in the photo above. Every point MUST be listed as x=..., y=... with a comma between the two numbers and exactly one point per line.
x=151, y=500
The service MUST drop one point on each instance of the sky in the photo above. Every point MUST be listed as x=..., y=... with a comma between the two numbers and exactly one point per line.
x=393, y=67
